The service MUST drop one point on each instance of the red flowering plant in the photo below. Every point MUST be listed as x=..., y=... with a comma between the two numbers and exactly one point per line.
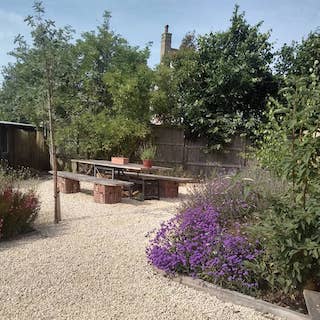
x=18, y=211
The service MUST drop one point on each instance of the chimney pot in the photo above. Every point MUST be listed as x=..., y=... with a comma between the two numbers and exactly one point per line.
x=166, y=28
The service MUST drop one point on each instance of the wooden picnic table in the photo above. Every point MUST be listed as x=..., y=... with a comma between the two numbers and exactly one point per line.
x=153, y=185
x=113, y=167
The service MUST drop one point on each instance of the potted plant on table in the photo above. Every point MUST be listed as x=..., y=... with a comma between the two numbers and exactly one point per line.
x=147, y=154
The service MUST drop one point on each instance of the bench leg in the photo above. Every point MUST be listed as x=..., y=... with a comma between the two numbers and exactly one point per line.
x=169, y=189
x=68, y=185
x=107, y=194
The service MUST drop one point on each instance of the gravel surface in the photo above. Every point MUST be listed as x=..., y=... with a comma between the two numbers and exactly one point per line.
x=93, y=266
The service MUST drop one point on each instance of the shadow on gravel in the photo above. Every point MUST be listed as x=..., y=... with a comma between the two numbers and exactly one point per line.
x=133, y=202
x=41, y=232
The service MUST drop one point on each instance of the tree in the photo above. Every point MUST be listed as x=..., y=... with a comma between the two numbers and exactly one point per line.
x=173, y=79
x=299, y=58
x=111, y=84
x=223, y=81
x=129, y=82
x=49, y=48
x=100, y=76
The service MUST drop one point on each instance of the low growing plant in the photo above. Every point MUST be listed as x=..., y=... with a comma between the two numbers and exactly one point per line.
x=238, y=197
x=18, y=208
x=18, y=211
x=196, y=242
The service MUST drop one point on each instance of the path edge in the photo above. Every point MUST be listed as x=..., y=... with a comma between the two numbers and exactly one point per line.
x=235, y=297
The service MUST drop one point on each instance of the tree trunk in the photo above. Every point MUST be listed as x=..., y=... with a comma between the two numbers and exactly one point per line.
x=53, y=154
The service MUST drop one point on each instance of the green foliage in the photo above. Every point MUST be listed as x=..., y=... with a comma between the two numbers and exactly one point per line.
x=23, y=96
x=101, y=136
x=130, y=90
x=148, y=152
x=219, y=85
x=291, y=148
x=299, y=58
x=164, y=99
x=101, y=87
x=290, y=235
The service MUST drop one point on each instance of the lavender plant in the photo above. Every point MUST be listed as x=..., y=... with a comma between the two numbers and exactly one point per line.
x=196, y=242
x=238, y=197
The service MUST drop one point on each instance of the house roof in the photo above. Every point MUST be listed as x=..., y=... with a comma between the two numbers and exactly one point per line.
x=18, y=125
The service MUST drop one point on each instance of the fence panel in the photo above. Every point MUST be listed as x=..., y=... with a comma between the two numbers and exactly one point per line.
x=173, y=149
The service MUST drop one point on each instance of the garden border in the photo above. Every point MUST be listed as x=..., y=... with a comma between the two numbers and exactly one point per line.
x=236, y=297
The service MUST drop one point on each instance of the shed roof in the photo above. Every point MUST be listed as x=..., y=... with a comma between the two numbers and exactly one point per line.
x=18, y=125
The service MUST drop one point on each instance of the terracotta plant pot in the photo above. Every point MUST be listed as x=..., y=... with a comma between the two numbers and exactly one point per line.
x=147, y=163
x=119, y=160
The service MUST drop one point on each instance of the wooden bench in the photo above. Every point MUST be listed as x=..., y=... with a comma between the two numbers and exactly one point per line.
x=104, y=190
x=168, y=185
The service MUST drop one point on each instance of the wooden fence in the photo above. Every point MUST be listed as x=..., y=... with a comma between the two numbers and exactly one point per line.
x=173, y=149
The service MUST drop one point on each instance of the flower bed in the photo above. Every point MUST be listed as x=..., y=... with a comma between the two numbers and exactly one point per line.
x=226, y=233
x=199, y=243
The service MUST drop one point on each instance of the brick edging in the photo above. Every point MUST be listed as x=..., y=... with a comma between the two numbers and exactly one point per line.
x=236, y=297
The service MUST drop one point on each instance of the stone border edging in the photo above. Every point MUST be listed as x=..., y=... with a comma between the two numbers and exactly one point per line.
x=236, y=297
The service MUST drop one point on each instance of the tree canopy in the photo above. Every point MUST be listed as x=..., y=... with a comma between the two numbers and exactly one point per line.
x=223, y=81
x=101, y=88
x=214, y=86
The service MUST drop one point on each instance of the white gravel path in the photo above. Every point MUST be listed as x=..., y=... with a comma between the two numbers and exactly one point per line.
x=93, y=266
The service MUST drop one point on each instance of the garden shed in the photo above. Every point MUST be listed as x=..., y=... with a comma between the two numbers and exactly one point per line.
x=23, y=145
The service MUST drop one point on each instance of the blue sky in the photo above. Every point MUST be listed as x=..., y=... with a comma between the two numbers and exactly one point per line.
x=141, y=21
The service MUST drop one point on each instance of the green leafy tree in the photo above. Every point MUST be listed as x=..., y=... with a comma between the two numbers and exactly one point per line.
x=173, y=80
x=299, y=58
x=49, y=47
x=111, y=82
x=235, y=78
x=164, y=96
x=129, y=82
x=222, y=81
x=100, y=76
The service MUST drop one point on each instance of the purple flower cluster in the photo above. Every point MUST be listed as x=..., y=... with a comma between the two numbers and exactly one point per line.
x=195, y=242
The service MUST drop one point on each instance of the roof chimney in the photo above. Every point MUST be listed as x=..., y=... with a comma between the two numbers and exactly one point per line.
x=165, y=42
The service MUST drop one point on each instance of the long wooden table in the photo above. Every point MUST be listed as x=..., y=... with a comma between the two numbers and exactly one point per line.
x=113, y=167
x=153, y=185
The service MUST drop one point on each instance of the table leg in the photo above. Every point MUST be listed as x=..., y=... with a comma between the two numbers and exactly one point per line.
x=143, y=189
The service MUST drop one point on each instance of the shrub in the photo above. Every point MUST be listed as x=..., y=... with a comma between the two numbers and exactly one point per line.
x=196, y=242
x=18, y=211
x=290, y=229
x=291, y=238
x=237, y=197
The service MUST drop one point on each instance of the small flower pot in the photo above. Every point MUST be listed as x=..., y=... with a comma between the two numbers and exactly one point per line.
x=119, y=160
x=147, y=163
